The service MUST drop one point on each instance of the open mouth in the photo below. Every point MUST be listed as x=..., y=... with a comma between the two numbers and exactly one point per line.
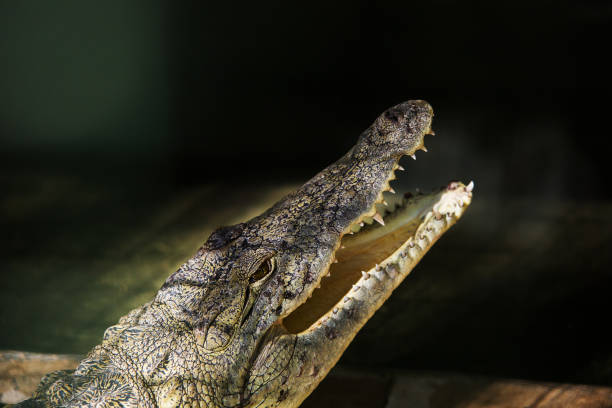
x=384, y=243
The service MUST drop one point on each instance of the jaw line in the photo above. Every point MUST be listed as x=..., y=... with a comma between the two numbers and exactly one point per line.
x=421, y=220
x=364, y=215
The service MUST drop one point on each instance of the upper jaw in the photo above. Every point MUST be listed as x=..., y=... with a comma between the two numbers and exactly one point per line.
x=323, y=210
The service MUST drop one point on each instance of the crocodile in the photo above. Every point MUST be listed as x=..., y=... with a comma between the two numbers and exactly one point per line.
x=265, y=308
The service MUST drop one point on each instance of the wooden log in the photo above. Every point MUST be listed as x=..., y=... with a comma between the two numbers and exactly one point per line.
x=442, y=390
x=20, y=373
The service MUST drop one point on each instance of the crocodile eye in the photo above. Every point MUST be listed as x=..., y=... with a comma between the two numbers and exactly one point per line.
x=264, y=269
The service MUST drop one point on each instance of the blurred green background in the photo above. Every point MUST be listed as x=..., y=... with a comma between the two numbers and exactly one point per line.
x=130, y=129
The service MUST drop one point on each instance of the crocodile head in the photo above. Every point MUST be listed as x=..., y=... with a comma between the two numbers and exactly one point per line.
x=264, y=309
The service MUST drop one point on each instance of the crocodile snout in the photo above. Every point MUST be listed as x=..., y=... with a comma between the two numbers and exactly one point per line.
x=398, y=131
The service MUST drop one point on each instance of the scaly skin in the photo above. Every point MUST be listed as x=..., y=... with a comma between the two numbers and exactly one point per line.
x=222, y=332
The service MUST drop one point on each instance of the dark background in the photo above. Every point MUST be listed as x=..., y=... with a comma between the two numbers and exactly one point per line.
x=147, y=99
x=199, y=91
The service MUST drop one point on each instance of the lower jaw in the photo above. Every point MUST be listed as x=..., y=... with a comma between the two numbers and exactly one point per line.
x=391, y=251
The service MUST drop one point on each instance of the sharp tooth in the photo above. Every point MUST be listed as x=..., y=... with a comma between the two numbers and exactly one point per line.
x=424, y=149
x=431, y=132
x=379, y=219
x=335, y=310
x=413, y=156
x=385, y=203
x=361, y=224
x=391, y=190
x=335, y=261
x=470, y=186
x=400, y=168
x=365, y=275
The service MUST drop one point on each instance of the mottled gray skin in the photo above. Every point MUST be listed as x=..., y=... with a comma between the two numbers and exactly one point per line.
x=212, y=335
